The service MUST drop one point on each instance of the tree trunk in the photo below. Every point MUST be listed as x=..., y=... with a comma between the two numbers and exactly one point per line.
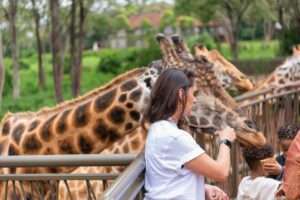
x=41, y=72
x=73, y=46
x=56, y=48
x=14, y=48
x=2, y=72
x=80, y=46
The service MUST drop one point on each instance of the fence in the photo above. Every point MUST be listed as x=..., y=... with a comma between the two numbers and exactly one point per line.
x=272, y=109
x=34, y=180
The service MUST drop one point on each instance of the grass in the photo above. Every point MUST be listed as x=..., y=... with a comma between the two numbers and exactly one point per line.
x=253, y=50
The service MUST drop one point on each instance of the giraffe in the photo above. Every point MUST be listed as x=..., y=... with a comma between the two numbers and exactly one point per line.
x=225, y=70
x=103, y=116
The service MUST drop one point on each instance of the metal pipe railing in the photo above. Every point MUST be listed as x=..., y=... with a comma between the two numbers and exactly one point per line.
x=66, y=160
x=60, y=176
x=129, y=183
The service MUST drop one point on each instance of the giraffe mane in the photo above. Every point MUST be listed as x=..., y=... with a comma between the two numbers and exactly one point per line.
x=117, y=80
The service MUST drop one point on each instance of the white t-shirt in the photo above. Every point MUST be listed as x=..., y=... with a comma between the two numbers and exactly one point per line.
x=260, y=188
x=167, y=149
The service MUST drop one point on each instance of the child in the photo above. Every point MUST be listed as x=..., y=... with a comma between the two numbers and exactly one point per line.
x=257, y=186
x=286, y=134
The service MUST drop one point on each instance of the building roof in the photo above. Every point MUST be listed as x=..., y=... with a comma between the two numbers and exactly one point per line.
x=153, y=18
x=136, y=21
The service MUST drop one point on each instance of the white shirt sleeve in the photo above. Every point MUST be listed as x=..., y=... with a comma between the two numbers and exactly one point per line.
x=184, y=148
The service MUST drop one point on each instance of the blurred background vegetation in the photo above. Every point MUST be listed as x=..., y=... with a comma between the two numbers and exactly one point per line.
x=113, y=36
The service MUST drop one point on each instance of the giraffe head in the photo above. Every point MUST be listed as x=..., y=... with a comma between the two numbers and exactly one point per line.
x=214, y=109
x=227, y=73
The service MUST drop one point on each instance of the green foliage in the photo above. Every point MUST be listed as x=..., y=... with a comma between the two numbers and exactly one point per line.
x=168, y=19
x=200, y=9
x=119, y=60
x=289, y=38
x=205, y=38
x=186, y=22
x=120, y=22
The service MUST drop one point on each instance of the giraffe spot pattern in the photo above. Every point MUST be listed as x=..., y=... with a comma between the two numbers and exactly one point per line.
x=126, y=148
x=2, y=146
x=46, y=133
x=229, y=117
x=128, y=126
x=217, y=121
x=31, y=144
x=6, y=128
x=135, y=115
x=193, y=120
x=33, y=125
x=136, y=95
x=123, y=98
x=48, y=151
x=129, y=85
x=17, y=133
x=117, y=115
x=135, y=143
x=85, y=144
x=103, y=132
x=81, y=115
x=129, y=105
x=12, y=150
x=66, y=146
x=203, y=121
x=104, y=101
x=62, y=124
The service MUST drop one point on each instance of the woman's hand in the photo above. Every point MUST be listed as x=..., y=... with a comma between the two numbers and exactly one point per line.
x=227, y=133
x=214, y=193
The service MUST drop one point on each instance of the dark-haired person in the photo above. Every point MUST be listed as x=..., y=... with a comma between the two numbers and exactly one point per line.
x=286, y=134
x=257, y=186
x=175, y=164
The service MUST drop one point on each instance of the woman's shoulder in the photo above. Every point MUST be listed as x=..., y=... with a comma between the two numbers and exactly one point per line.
x=164, y=128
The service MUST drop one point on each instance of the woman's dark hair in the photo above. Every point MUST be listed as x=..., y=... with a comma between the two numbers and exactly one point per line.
x=253, y=155
x=288, y=132
x=164, y=98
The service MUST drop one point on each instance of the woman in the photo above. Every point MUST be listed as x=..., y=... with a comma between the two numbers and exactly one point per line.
x=175, y=164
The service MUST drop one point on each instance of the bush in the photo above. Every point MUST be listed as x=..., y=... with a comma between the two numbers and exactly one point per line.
x=120, y=60
x=204, y=38
x=7, y=89
x=288, y=39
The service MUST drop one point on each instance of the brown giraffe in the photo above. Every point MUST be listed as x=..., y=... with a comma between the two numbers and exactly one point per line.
x=230, y=76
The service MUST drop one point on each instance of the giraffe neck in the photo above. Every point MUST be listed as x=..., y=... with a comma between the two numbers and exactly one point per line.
x=85, y=125
x=286, y=73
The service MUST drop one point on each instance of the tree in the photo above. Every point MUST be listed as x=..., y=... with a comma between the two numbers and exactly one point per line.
x=11, y=15
x=56, y=48
x=230, y=12
x=2, y=71
x=289, y=19
x=41, y=72
x=77, y=33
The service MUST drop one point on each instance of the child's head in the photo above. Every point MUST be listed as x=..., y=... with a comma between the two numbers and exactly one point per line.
x=286, y=134
x=254, y=155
